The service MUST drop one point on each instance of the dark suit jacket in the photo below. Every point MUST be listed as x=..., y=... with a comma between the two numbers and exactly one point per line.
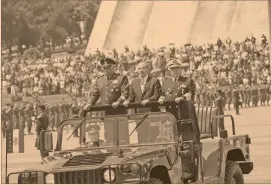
x=152, y=91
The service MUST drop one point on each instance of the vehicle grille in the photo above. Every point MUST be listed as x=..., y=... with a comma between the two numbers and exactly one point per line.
x=79, y=177
x=87, y=160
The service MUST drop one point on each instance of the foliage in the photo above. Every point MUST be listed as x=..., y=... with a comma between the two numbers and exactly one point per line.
x=36, y=22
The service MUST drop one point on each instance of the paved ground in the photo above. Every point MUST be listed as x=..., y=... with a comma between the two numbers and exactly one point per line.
x=254, y=121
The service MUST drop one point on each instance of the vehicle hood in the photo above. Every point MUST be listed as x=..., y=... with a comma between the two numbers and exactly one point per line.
x=89, y=160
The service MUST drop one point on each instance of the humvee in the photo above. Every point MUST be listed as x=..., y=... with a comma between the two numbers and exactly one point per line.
x=190, y=145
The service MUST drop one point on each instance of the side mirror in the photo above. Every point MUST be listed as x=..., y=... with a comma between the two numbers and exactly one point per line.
x=46, y=141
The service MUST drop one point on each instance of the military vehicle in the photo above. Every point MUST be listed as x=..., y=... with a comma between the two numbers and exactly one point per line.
x=189, y=145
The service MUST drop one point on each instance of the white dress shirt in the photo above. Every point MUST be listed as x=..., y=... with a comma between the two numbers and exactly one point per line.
x=143, y=82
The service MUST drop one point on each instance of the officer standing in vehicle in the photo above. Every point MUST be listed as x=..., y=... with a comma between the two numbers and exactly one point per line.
x=177, y=87
x=113, y=89
x=42, y=124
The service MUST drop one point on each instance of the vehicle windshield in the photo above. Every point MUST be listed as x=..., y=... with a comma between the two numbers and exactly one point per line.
x=122, y=130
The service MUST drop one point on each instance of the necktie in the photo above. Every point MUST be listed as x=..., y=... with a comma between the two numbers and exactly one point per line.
x=142, y=84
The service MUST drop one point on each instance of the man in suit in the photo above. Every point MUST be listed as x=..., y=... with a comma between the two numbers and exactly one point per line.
x=42, y=124
x=143, y=90
x=177, y=87
x=113, y=89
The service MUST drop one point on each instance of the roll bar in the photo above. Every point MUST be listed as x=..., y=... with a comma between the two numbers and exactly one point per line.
x=151, y=104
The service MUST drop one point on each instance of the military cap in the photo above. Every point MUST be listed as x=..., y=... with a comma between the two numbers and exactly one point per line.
x=174, y=63
x=93, y=129
x=107, y=61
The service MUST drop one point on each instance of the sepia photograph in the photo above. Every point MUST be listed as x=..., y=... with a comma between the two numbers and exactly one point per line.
x=135, y=92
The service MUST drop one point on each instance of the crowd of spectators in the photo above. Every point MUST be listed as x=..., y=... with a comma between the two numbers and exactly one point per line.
x=217, y=64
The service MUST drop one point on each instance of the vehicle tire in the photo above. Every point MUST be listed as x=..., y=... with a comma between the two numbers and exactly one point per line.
x=233, y=173
x=153, y=180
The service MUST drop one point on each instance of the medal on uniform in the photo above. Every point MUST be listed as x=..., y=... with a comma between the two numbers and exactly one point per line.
x=115, y=81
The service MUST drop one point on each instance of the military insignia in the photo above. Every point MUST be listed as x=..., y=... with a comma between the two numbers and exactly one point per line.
x=115, y=81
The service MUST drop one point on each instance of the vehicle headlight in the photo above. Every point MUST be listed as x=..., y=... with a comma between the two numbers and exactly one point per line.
x=50, y=178
x=135, y=168
x=109, y=175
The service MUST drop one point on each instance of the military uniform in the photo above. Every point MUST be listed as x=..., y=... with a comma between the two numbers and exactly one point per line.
x=254, y=96
x=203, y=98
x=4, y=120
x=198, y=98
x=28, y=115
x=223, y=96
x=52, y=116
x=248, y=96
x=262, y=92
x=268, y=92
x=229, y=98
x=181, y=87
x=172, y=89
x=22, y=116
x=57, y=113
x=110, y=90
x=242, y=96
x=236, y=101
x=42, y=124
x=75, y=110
